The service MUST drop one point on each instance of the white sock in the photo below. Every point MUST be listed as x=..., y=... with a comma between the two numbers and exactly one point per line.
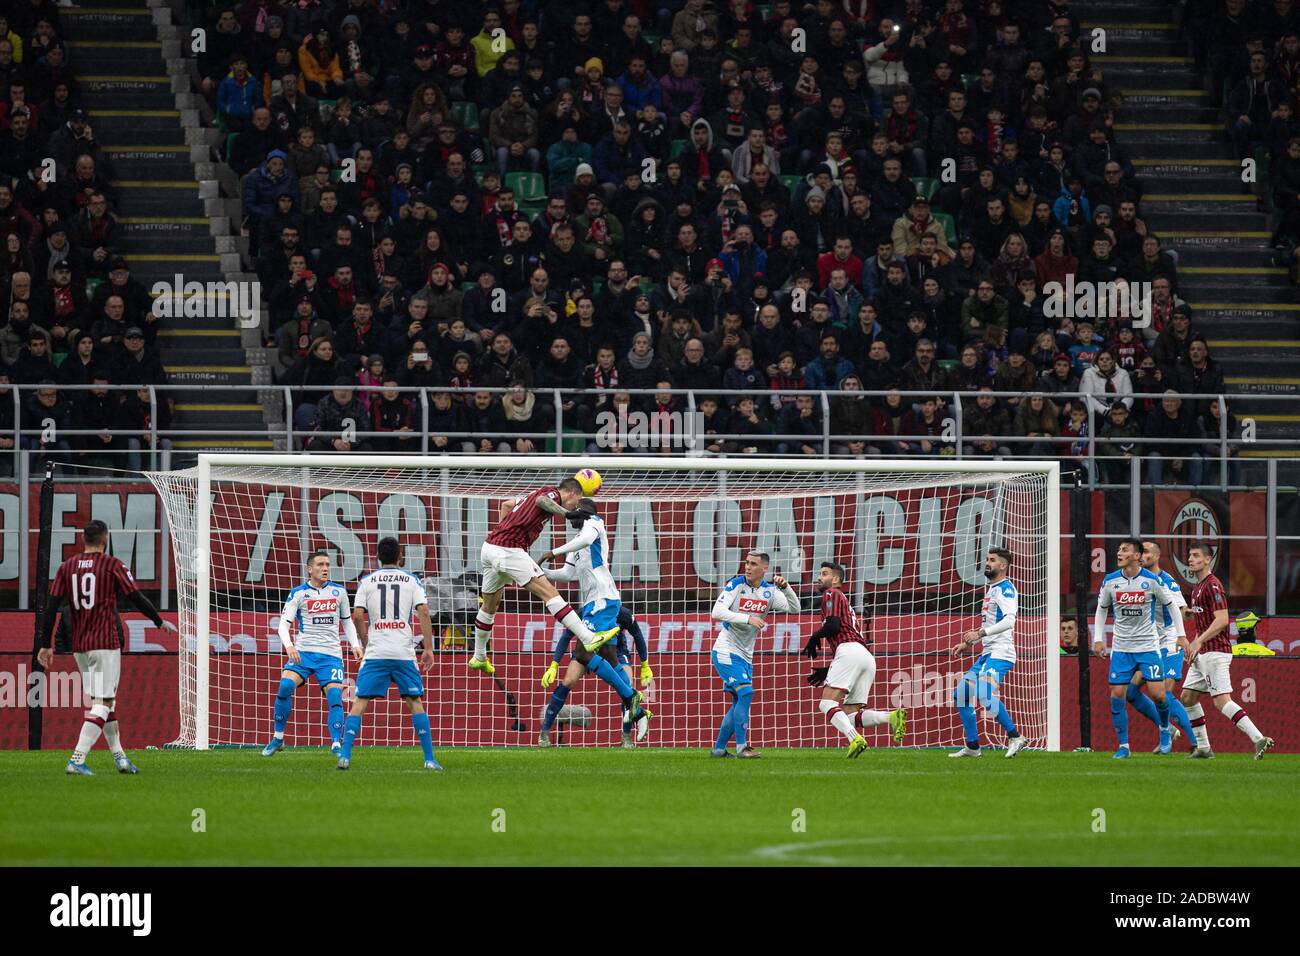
x=112, y=737
x=570, y=620
x=1234, y=712
x=1196, y=717
x=90, y=732
x=482, y=633
x=279, y=735
x=873, y=718
x=839, y=720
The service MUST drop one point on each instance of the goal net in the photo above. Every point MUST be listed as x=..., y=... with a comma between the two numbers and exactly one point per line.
x=912, y=537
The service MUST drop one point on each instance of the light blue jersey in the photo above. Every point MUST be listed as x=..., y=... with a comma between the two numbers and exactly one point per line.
x=1137, y=602
x=1171, y=616
x=998, y=621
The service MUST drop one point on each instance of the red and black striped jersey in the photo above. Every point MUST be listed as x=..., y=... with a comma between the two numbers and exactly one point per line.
x=1207, y=597
x=520, y=528
x=836, y=604
x=92, y=582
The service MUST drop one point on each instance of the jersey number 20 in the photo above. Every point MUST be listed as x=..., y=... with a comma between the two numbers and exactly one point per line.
x=83, y=591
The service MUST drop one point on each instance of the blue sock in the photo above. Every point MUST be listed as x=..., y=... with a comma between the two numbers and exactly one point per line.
x=725, y=731
x=740, y=722
x=613, y=676
x=1162, y=711
x=992, y=703
x=334, y=696
x=1179, y=714
x=1142, y=704
x=283, y=704
x=352, y=728
x=1119, y=717
x=558, y=697
x=420, y=722
x=966, y=711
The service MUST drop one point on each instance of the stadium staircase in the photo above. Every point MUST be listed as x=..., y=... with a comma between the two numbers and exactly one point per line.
x=1194, y=198
x=136, y=89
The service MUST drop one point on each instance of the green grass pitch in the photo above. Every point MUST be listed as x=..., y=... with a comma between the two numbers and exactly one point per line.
x=669, y=807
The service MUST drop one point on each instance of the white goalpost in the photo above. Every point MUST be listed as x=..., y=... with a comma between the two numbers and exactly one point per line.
x=911, y=535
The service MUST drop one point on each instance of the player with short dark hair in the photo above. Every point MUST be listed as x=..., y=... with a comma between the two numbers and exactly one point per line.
x=998, y=632
x=505, y=560
x=1172, y=633
x=90, y=584
x=1210, y=657
x=852, y=670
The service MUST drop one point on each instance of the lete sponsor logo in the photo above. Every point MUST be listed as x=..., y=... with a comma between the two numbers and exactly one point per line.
x=322, y=606
x=751, y=605
x=1130, y=598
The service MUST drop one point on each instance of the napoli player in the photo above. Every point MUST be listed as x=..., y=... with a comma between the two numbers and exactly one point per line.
x=385, y=600
x=1139, y=600
x=742, y=607
x=1209, y=656
x=997, y=631
x=317, y=608
x=91, y=583
x=852, y=670
x=1172, y=637
x=587, y=562
x=505, y=560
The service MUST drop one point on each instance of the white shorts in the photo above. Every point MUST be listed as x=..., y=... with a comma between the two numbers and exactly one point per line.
x=1210, y=673
x=505, y=566
x=100, y=672
x=852, y=671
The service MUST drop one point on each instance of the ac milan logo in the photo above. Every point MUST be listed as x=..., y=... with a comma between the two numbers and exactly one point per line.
x=1194, y=521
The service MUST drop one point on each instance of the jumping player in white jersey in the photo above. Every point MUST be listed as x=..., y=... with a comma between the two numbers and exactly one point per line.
x=1139, y=599
x=998, y=632
x=317, y=608
x=388, y=597
x=587, y=562
x=742, y=607
x=1172, y=632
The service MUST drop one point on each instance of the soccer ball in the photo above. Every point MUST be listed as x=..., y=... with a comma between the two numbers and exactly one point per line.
x=590, y=480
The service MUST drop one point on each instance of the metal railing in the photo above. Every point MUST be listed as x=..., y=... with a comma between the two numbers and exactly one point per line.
x=954, y=437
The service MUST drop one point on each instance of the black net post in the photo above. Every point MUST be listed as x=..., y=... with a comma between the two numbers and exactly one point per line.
x=38, y=685
x=1080, y=574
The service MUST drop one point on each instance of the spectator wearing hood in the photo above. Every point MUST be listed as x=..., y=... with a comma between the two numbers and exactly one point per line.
x=272, y=179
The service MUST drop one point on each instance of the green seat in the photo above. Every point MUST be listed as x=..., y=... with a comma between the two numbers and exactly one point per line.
x=528, y=187
x=949, y=226
x=480, y=169
x=467, y=286
x=676, y=148
x=92, y=284
x=969, y=80
x=572, y=443
x=597, y=283
x=327, y=109
x=790, y=182
x=926, y=186
x=947, y=364
x=230, y=144
x=466, y=113
x=653, y=38
x=336, y=176
x=532, y=209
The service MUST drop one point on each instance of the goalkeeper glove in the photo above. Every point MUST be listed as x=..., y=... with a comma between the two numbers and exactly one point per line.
x=818, y=676
x=647, y=675
x=548, y=678
x=814, y=644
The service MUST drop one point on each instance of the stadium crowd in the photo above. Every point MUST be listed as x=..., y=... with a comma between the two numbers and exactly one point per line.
x=624, y=194
x=73, y=314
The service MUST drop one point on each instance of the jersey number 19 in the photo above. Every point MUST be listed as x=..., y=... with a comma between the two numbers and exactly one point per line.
x=83, y=591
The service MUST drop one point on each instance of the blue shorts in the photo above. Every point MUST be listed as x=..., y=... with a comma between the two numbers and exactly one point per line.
x=734, y=673
x=375, y=676
x=603, y=620
x=1172, y=662
x=325, y=668
x=1123, y=664
x=989, y=669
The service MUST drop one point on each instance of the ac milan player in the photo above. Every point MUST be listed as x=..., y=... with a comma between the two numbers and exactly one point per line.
x=505, y=560
x=91, y=583
x=1210, y=654
x=853, y=668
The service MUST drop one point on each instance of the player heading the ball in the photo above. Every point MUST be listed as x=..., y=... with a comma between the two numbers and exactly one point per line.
x=998, y=632
x=505, y=560
x=1139, y=600
x=742, y=607
x=86, y=587
x=386, y=598
x=317, y=609
x=852, y=670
